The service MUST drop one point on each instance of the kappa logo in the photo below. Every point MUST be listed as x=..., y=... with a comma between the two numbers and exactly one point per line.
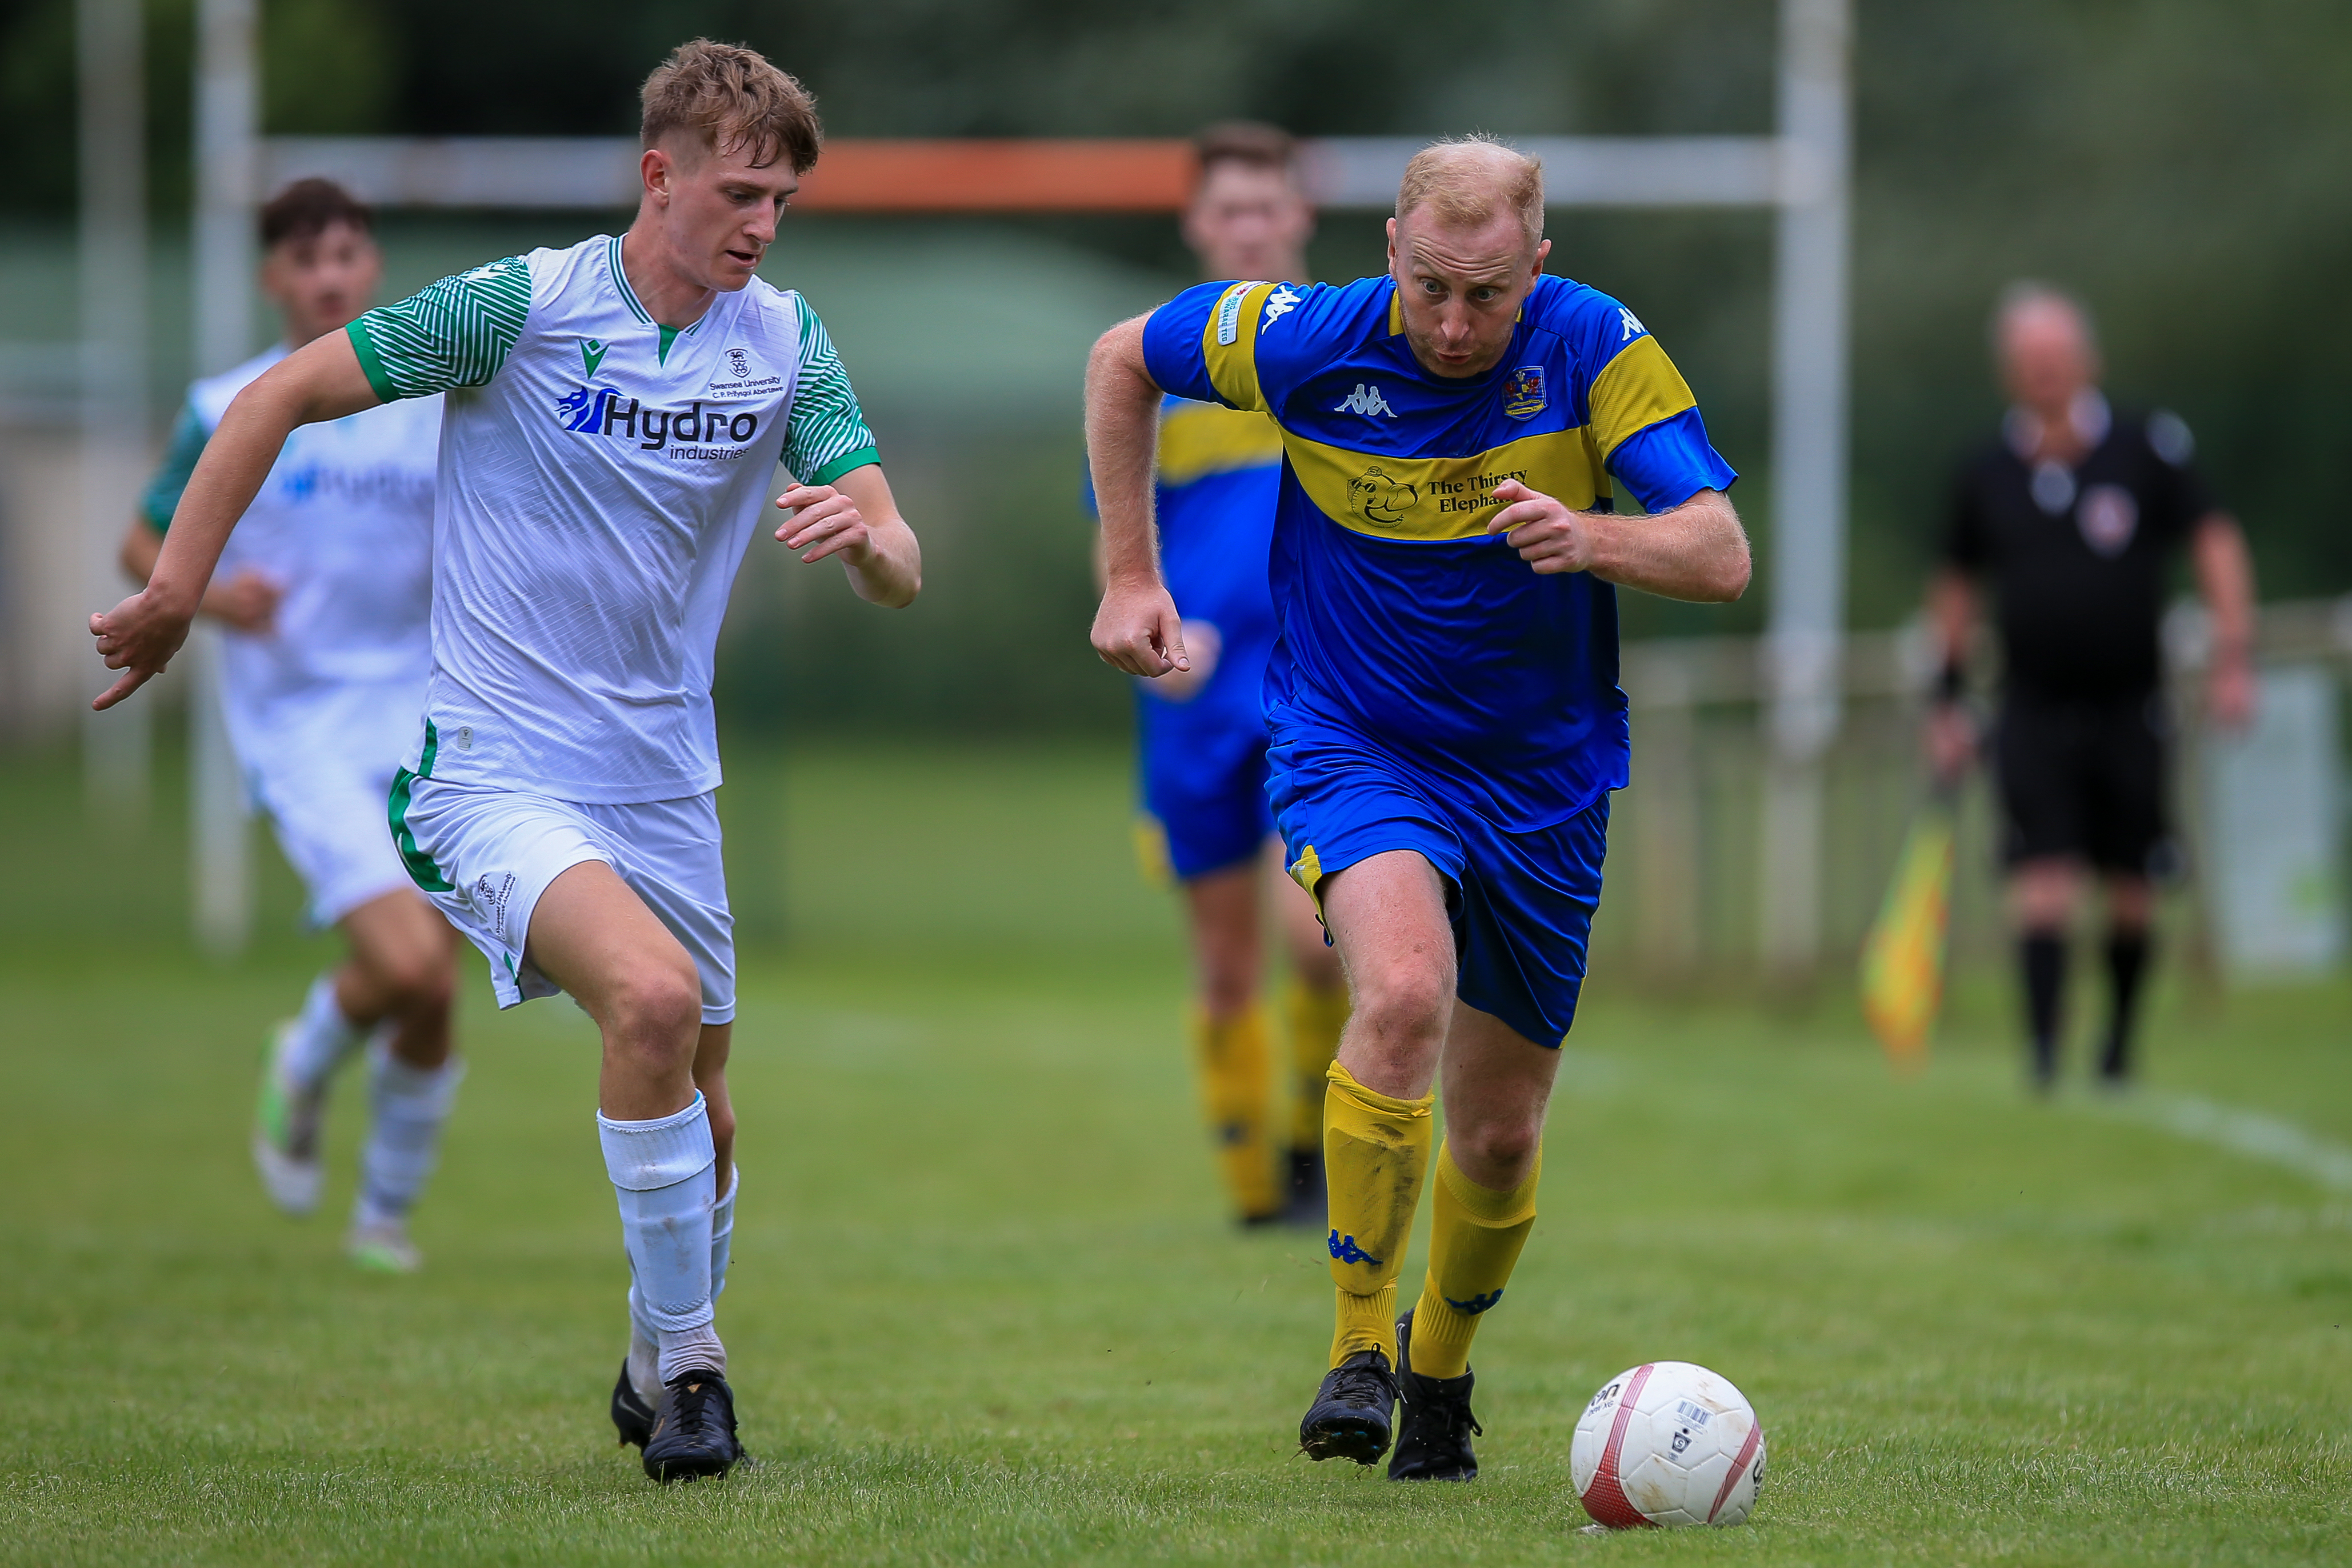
x=1523, y=391
x=1367, y=401
x=738, y=364
x=591, y=354
x=1278, y=304
x=1632, y=324
x=1475, y=1304
x=1344, y=1249
x=1380, y=499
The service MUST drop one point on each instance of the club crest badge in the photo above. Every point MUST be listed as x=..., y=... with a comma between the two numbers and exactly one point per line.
x=1523, y=391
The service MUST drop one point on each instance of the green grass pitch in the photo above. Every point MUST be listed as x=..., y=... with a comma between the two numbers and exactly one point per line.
x=983, y=1309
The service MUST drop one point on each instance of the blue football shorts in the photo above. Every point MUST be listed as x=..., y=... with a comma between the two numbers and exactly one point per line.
x=1521, y=903
x=1207, y=792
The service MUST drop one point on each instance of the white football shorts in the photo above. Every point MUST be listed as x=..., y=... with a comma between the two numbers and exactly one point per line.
x=319, y=759
x=484, y=854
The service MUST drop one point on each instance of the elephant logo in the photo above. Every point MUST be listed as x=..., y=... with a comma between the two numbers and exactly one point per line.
x=1380, y=499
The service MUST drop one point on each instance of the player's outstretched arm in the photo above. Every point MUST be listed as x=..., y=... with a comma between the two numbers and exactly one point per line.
x=1137, y=629
x=1696, y=551
x=856, y=520
x=139, y=636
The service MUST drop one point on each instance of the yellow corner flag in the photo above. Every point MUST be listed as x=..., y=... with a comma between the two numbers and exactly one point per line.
x=1903, y=960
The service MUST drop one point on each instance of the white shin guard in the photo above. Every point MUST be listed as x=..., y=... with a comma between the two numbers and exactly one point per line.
x=407, y=1108
x=662, y=1171
x=645, y=1339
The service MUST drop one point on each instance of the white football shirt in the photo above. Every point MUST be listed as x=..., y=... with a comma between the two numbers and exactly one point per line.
x=343, y=524
x=601, y=477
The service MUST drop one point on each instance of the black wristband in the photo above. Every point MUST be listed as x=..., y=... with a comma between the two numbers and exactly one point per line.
x=1951, y=683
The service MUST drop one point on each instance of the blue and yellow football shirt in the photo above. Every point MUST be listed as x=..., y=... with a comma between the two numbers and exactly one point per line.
x=1400, y=620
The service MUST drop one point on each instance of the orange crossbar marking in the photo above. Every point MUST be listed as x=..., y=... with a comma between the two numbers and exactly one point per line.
x=981, y=176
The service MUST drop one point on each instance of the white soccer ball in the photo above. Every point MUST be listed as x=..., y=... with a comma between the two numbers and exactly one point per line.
x=1667, y=1443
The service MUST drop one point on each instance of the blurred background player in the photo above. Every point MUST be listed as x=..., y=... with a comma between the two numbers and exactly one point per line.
x=325, y=595
x=628, y=399
x=1446, y=723
x=1201, y=733
x=2073, y=519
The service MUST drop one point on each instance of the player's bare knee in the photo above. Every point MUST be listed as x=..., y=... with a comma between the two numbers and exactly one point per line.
x=1406, y=998
x=656, y=1016
x=419, y=985
x=1498, y=1154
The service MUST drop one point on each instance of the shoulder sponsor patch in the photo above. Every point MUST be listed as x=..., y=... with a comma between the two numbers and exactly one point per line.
x=1229, y=313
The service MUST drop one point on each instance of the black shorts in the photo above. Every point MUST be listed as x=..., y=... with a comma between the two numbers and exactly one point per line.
x=2083, y=780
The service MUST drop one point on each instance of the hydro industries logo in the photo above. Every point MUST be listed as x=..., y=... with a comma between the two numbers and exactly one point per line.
x=689, y=431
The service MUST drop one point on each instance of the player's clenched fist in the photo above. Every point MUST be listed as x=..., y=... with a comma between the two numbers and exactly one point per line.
x=1138, y=630
x=824, y=523
x=1548, y=536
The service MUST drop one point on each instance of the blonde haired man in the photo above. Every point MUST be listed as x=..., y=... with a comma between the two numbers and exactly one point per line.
x=1446, y=719
x=616, y=409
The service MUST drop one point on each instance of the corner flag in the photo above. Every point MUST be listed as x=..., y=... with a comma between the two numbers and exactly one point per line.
x=1903, y=959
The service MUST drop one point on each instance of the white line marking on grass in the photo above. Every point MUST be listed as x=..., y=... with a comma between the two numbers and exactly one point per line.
x=2247, y=1133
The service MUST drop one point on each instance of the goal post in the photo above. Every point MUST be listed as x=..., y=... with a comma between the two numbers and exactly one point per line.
x=1801, y=172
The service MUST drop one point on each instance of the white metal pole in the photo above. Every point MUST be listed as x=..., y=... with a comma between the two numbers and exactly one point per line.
x=117, y=746
x=227, y=146
x=1809, y=333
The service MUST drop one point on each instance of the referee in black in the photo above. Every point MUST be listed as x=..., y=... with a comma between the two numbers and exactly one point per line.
x=2073, y=520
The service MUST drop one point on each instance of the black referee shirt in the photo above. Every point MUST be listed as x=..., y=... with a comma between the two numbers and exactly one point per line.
x=2078, y=557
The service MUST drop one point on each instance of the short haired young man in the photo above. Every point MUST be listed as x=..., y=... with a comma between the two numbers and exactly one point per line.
x=615, y=411
x=1201, y=734
x=2075, y=518
x=1446, y=724
x=325, y=595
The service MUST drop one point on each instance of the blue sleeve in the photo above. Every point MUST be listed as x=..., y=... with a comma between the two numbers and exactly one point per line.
x=162, y=497
x=1172, y=339
x=1086, y=490
x=1667, y=463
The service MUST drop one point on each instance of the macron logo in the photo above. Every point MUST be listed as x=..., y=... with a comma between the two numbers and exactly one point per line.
x=1367, y=401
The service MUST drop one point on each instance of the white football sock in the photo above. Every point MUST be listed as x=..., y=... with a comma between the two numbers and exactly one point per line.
x=662, y=1173
x=645, y=1340
x=322, y=1038
x=407, y=1107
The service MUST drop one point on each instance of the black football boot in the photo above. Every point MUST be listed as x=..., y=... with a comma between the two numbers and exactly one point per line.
x=632, y=1418
x=693, y=1429
x=1433, y=1440
x=1353, y=1411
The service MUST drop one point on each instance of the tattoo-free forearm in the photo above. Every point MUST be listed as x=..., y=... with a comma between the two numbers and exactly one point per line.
x=2225, y=581
x=1696, y=551
x=1122, y=433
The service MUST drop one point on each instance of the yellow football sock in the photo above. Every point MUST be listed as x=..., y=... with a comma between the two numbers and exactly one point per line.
x=1233, y=1061
x=1315, y=1016
x=1375, y=1153
x=1475, y=1237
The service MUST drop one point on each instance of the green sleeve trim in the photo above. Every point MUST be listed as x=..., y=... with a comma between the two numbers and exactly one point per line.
x=828, y=429
x=179, y=454
x=456, y=332
x=842, y=465
x=371, y=363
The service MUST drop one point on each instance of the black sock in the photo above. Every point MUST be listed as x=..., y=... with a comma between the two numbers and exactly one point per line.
x=2044, y=956
x=2128, y=954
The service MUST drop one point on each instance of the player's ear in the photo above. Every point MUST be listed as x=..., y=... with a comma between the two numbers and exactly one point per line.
x=1543, y=249
x=654, y=167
